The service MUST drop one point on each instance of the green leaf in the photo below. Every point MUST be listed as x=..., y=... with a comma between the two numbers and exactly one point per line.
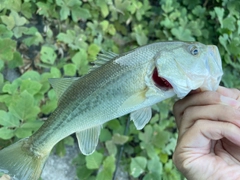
x=112, y=30
x=153, y=176
x=199, y=10
x=119, y=139
x=60, y=149
x=8, y=120
x=13, y=5
x=7, y=52
x=49, y=107
x=32, y=125
x=137, y=166
x=155, y=166
x=71, y=39
x=23, y=107
x=93, y=50
x=167, y=6
x=69, y=69
x=140, y=36
x=48, y=55
x=68, y=37
x=80, y=58
x=19, y=21
x=23, y=133
x=105, y=135
x=164, y=110
x=160, y=138
x=83, y=173
x=31, y=75
x=169, y=149
x=104, y=24
x=108, y=169
x=147, y=135
x=182, y=34
x=10, y=88
x=170, y=172
x=80, y=13
x=64, y=12
x=155, y=118
x=150, y=149
x=111, y=147
x=32, y=87
x=16, y=61
x=4, y=32
x=6, y=133
x=69, y=141
x=103, y=7
x=35, y=37
x=27, y=9
x=9, y=21
x=229, y=23
x=52, y=94
x=46, y=9
x=94, y=160
x=220, y=12
x=56, y=73
x=1, y=79
x=164, y=157
x=19, y=31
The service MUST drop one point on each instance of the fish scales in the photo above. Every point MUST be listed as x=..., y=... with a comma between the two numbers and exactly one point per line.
x=117, y=85
x=97, y=89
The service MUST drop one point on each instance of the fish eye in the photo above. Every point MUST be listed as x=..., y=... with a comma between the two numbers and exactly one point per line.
x=194, y=50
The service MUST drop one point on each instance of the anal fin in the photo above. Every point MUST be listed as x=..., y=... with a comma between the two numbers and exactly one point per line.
x=141, y=117
x=88, y=139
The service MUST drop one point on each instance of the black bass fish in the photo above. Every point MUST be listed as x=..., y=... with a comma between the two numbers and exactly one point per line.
x=117, y=85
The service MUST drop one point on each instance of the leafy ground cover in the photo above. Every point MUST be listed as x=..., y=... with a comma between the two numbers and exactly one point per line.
x=61, y=38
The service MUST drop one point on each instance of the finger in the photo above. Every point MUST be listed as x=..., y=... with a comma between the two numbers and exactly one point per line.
x=203, y=131
x=230, y=147
x=231, y=93
x=197, y=99
x=217, y=112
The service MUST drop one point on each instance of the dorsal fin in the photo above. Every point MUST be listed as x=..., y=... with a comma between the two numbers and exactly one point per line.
x=102, y=59
x=61, y=84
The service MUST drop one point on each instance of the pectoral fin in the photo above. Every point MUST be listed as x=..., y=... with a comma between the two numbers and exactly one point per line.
x=88, y=139
x=141, y=117
x=134, y=100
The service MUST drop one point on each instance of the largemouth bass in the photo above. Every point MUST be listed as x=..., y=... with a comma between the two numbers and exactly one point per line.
x=117, y=85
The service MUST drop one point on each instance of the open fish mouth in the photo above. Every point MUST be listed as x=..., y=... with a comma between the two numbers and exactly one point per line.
x=160, y=82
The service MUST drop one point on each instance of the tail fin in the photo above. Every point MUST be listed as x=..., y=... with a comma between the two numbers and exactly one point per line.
x=19, y=162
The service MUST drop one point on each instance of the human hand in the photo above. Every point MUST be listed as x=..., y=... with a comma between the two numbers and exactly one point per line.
x=208, y=145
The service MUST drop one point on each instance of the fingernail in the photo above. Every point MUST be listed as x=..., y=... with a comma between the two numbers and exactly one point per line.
x=230, y=101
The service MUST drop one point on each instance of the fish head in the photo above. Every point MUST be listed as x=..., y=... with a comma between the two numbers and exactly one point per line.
x=186, y=66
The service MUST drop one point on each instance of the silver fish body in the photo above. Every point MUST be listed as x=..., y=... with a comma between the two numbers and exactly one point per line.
x=117, y=85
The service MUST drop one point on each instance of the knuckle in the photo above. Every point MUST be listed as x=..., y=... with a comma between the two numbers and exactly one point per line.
x=188, y=112
x=199, y=123
x=176, y=108
x=211, y=96
x=231, y=127
x=229, y=113
x=235, y=90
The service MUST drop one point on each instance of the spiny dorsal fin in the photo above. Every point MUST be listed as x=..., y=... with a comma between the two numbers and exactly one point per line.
x=88, y=139
x=141, y=117
x=102, y=59
x=61, y=84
